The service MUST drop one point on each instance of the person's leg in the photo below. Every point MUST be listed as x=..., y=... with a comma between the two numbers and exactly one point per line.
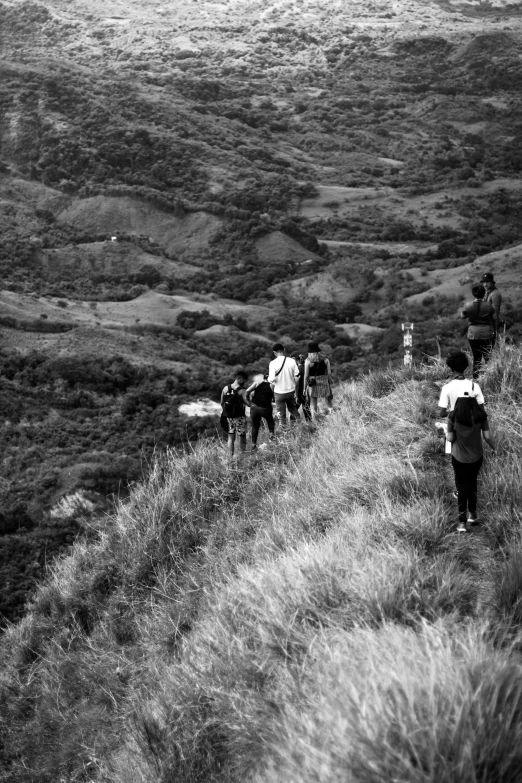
x=293, y=410
x=281, y=408
x=487, y=347
x=269, y=418
x=473, y=471
x=255, y=418
x=231, y=443
x=313, y=407
x=476, y=350
x=241, y=429
x=462, y=489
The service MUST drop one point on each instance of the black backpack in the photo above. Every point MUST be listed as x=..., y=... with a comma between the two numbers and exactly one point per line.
x=467, y=411
x=233, y=405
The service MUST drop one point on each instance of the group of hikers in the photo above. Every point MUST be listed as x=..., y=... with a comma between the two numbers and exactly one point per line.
x=462, y=402
x=302, y=382
x=291, y=382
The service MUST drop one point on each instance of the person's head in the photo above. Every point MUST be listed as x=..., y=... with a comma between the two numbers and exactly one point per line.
x=313, y=352
x=259, y=378
x=278, y=349
x=457, y=361
x=241, y=377
x=478, y=291
x=488, y=281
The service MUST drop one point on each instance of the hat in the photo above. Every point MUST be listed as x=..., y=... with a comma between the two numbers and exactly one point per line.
x=313, y=348
x=487, y=278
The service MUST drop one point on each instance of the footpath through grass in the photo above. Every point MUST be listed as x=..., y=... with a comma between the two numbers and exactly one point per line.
x=312, y=617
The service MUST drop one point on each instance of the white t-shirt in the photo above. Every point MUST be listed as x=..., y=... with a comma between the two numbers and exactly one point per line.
x=287, y=378
x=456, y=388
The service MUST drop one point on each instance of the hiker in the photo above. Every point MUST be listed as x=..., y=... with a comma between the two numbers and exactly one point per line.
x=467, y=425
x=233, y=401
x=283, y=374
x=459, y=385
x=302, y=399
x=317, y=378
x=260, y=395
x=494, y=297
x=481, y=330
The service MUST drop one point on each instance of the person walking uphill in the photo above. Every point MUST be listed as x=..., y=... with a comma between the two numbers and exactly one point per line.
x=467, y=425
x=317, y=380
x=494, y=297
x=283, y=374
x=481, y=330
x=233, y=401
x=261, y=397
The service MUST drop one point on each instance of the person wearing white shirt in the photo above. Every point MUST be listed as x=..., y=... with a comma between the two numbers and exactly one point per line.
x=459, y=386
x=283, y=374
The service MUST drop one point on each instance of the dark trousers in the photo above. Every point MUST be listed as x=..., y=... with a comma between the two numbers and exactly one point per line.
x=256, y=414
x=481, y=350
x=466, y=474
x=284, y=401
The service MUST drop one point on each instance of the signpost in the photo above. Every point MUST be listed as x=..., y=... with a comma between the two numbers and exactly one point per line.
x=407, y=328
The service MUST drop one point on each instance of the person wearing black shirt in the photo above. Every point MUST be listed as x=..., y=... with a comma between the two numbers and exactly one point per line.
x=261, y=397
x=481, y=330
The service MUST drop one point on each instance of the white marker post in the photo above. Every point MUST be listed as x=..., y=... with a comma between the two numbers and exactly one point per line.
x=408, y=343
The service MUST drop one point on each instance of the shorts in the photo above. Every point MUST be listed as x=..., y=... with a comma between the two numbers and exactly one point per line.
x=237, y=426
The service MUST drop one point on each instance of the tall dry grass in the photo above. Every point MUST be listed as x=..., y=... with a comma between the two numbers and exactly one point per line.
x=312, y=616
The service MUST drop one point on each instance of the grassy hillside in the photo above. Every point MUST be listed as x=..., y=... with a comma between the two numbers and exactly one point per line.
x=310, y=614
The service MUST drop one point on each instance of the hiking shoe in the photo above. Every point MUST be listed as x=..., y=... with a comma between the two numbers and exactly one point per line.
x=254, y=447
x=454, y=495
x=461, y=528
x=473, y=519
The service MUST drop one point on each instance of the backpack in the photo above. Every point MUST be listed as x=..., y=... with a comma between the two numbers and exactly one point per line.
x=467, y=411
x=233, y=405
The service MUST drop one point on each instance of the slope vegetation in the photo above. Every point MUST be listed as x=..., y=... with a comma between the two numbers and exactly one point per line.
x=314, y=616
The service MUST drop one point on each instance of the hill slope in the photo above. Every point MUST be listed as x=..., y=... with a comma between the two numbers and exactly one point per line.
x=314, y=616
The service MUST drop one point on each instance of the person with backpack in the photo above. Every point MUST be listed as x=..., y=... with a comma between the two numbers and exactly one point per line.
x=260, y=395
x=283, y=375
x=481, y=330
x=233, y=401
x=317, y=378
x=467, y=426
x=302, y=397
x=494, y=297
x=459, y=385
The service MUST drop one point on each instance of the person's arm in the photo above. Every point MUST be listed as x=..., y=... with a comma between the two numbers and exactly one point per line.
x=306, y=372
x=222, y=401
x=486, y=434
x=328, y=368
x=297, y=375
x=495, y=303
x=272, y=371
x=249, y=391
x=443, y=409
x=243, y=393
x=450, y=432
